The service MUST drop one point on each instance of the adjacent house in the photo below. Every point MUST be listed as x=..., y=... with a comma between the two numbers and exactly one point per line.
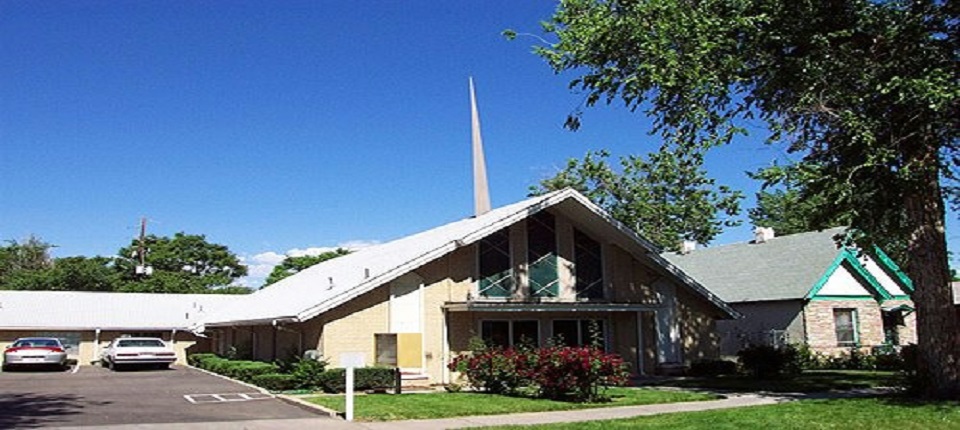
x=550, y=267
x=804, y=288
x=86, y=321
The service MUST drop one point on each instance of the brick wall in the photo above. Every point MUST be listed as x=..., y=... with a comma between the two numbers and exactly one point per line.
x=821, y=330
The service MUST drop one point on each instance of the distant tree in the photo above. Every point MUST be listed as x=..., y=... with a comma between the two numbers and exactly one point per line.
x=666, y=196
x=29, y=255
x=292, y=265
x=783, y=205
x=185, y=263
x=68, y=274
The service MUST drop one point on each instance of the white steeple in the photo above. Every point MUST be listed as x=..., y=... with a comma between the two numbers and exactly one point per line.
x=481, y=192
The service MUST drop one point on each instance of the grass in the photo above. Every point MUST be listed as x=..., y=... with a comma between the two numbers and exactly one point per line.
x=386, y=407
x=846, y=414
x=807, y=382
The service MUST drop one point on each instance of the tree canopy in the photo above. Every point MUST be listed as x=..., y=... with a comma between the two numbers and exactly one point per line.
x=293, y=264
x=181, y=264
x=666, y=196
x=865, y=91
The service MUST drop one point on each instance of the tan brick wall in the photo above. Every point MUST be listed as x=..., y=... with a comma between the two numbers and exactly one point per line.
x=821, y=330
x=350, y=327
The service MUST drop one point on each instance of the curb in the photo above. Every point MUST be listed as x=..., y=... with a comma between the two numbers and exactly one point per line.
x=311, y=407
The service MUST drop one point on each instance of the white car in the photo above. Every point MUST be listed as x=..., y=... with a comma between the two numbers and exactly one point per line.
x=130, y=351
x=34, y=352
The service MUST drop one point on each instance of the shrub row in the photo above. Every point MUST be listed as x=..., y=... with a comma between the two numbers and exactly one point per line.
x=302, y=373
x=575, y=373
x=766, y=361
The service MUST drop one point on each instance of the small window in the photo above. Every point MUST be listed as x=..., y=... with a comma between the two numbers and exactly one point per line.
x=507, y=334
x=845, y=322
x=588, y=266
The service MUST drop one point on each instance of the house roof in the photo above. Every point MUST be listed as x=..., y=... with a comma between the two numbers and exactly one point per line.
x=80, y=310
x=329, y=284
x=782, y=268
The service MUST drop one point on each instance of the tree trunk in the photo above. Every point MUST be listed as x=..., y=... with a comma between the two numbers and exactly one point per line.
x=938, y=326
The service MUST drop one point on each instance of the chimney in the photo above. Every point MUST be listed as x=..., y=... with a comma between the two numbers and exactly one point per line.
x=688, y=246
x=762, y=234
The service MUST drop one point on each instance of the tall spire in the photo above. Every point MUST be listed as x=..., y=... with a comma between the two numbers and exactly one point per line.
x=481, y=192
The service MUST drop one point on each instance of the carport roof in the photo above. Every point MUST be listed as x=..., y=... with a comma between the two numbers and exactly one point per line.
x=81, y=310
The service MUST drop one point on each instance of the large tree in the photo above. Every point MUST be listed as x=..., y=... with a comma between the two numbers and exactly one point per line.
x=865, y=91
x=293, y=264
x=666, y=196
x=185, y=263
x=28, y=255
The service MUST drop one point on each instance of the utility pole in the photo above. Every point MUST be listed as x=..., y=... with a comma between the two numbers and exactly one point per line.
x=142, y=269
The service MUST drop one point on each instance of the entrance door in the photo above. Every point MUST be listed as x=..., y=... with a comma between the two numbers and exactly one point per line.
x=406, y=319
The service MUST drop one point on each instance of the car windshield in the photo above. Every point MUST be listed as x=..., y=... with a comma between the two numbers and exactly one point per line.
x=36, y=342
x=139, y=342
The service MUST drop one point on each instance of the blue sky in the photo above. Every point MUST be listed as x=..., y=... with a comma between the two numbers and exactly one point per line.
x=273, y=127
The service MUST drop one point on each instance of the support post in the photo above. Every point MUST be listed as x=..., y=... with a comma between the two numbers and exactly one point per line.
x=348, y=410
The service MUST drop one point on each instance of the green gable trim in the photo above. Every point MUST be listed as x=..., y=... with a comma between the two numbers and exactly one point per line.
x=868, y=281
x=892, y=269
x=871, y=298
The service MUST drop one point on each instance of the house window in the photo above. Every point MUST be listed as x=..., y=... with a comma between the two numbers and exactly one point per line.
x=496, y=276
x=542, y=255
x=845, y=323
x=588, y=266
x=580, y=332
x=506, y=333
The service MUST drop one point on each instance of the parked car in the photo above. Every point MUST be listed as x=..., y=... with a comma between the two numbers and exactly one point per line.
x=131, y=351
x=34, y=352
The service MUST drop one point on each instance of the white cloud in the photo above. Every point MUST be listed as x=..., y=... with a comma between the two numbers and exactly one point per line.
x=260, y=265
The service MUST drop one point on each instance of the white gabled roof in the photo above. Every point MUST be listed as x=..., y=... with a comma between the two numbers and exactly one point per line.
x=83, y=310
x=327, y=285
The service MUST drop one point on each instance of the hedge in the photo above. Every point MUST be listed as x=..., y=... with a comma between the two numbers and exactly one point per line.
x=364, y=378
x=275, y=381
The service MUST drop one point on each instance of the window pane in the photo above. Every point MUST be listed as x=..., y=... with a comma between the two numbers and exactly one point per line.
x=495, y=333
x=565, y=332
x=542, y=255
x=588, y=266
x=845, y=322
x=592, y=333
x=496, y=278
x=526, y=333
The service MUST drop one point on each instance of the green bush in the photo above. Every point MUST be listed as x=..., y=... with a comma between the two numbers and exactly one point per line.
x=764, y=361
x=275, y=381
x=364, y=378
x=713, y=368
x=197, y=360
x=246, y=370
x=307, y=373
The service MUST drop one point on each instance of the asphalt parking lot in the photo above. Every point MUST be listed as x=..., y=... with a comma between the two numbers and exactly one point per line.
x=94, y=396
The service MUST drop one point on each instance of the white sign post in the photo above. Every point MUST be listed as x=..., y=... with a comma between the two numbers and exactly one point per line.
x=349, y=406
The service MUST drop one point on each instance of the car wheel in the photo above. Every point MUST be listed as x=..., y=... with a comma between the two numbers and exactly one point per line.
x=111, y=365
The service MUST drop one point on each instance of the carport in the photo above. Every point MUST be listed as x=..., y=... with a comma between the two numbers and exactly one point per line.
x=87, y=321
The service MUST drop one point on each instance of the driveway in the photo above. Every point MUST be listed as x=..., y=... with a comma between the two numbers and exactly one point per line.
x=93, y=396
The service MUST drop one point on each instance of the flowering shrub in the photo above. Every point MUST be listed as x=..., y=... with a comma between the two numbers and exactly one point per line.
x=575, y=373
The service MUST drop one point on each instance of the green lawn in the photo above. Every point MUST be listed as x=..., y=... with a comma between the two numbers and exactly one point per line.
x=846, y=414
x=387, y=407
x=807, y=382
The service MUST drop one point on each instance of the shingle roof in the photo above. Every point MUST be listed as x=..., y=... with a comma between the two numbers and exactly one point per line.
x=783, y=268
x=326, y=285
x=77, y=310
